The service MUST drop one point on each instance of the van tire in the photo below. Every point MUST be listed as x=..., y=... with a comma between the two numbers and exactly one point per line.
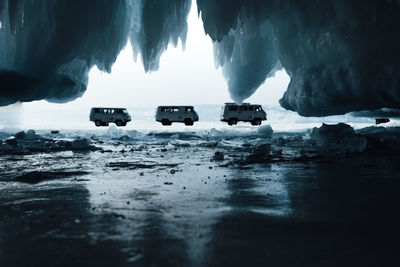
x=165, y=122
x=232, y=121
x=188, y=122
x=97, y=123
x=118, y=123
x=256, y=121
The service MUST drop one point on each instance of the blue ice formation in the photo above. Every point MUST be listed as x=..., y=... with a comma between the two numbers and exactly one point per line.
x=341, y=55
x=48, y=47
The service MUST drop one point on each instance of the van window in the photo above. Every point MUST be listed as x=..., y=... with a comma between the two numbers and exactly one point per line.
x=188, y=109
x=120, y=111
x=251, y=108
x=97, y=110
x=112, y=111
x=258, y=108
x=242, y=108
x=233, y=108
x=175, y=110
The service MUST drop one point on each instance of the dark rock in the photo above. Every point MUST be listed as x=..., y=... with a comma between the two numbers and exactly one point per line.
x=11, y=141
x=340, y=138
x=31, y=134
x=218, y=156
x=260, y=154
x=80, y=144
x=20, y=135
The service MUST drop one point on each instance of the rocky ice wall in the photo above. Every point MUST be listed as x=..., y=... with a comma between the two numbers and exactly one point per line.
x=48, y=47
x=341, y=55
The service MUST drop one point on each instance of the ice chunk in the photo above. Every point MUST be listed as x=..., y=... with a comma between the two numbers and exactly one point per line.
x=30, y=142
x=31, y=134
x=218, y=156
x=214, y=132
x=20, y=135
x=383, y=134
x=38, y=146
x=6, y=148
x=113, y=131
x=338, y=137
x=62, y=145
x=265, y=131
x=134, y=134
x=80, y=144
x=11, y=141
x=260, y=154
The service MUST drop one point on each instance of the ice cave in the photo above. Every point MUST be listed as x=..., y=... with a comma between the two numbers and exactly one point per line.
x=314, y=182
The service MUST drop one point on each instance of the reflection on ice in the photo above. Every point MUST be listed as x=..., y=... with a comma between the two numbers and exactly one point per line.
x=258, y=190
x=199, y=197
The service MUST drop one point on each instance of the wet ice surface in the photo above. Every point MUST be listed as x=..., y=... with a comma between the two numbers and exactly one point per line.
x=213, y=198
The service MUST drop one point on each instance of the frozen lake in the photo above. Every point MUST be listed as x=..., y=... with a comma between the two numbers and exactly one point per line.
x=201, y=198
x=61, y=118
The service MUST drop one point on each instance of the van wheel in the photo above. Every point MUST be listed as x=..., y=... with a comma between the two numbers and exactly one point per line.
x=232, y=121
x=256, y=121
x=188, y=122
x=124, y=123
x=118, y=123
x=165, y=122
x=97, y=123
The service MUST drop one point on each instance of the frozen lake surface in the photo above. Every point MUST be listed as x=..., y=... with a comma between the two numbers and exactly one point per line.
x=143, y=119
x=198, y=198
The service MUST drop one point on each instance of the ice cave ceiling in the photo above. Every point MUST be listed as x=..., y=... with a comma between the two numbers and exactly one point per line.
x=341, y=55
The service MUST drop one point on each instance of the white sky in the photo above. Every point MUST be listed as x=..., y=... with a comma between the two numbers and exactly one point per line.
x=185, y=77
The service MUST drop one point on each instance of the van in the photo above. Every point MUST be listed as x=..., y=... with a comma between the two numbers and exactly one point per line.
x=169, y=114
x=232, y=113
x=103, y=116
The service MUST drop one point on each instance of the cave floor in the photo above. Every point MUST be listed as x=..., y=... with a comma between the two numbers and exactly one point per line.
x=166, y=202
